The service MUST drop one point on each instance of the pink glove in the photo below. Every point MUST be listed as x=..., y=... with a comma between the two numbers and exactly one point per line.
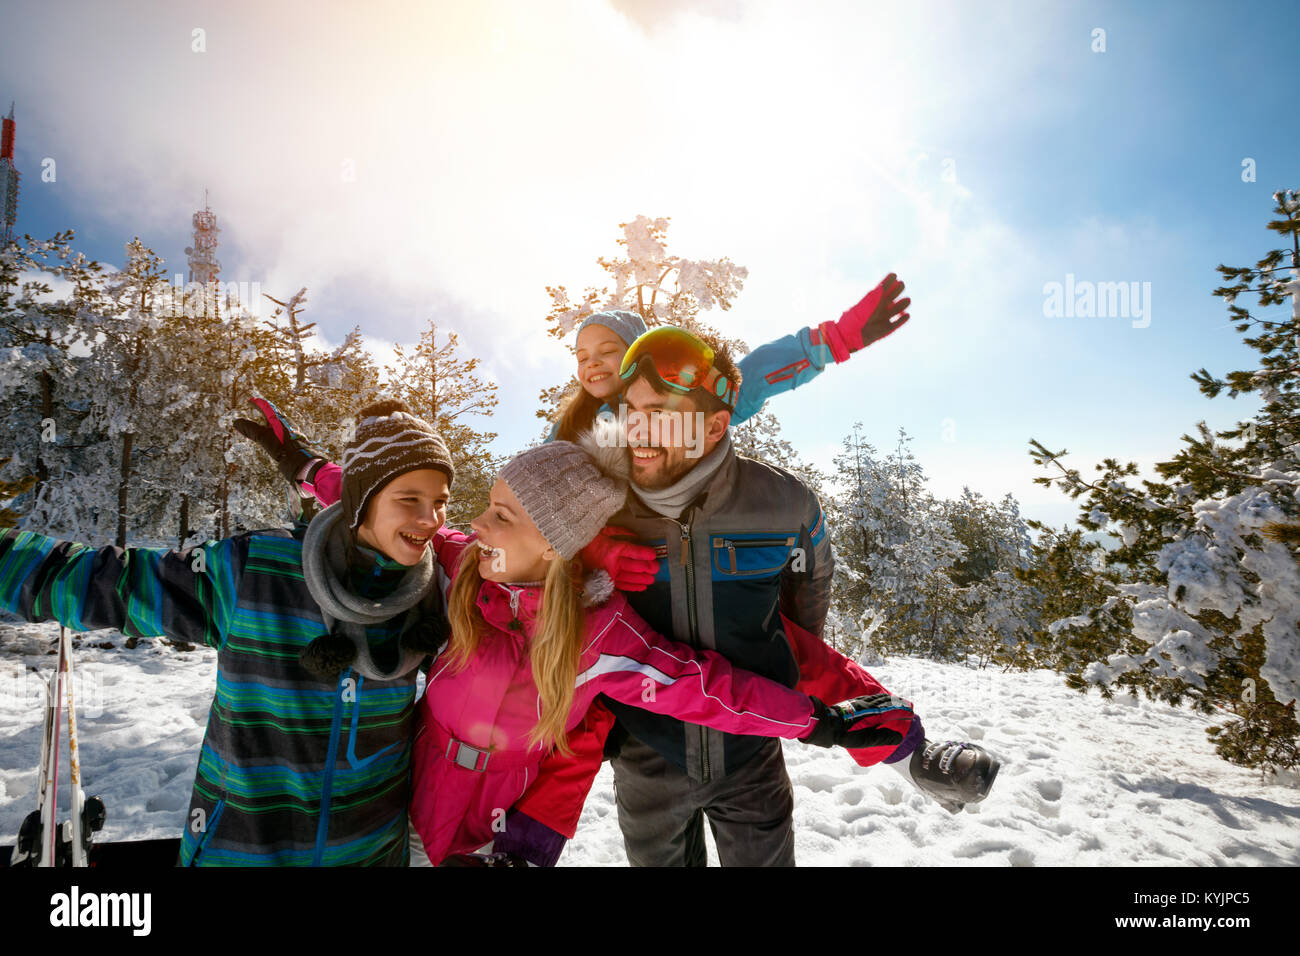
x=868, y=321
x=631, y=565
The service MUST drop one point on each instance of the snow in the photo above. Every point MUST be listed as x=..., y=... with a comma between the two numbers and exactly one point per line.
x=1084, y=781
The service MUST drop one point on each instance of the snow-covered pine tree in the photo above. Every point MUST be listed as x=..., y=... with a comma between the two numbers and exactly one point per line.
x=1080, y=617
x=222, y=480
x=663, y=289
x=345, y=379
x=1216, y=602
x=667, y=289
x=40, y=454
x=124, y=374
x=319, y=390
x=894, y=548
x=1001, y=617
x=448, y=391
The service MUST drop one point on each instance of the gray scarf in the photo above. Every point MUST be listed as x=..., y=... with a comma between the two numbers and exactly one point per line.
x=670, y=501
x=325, y=551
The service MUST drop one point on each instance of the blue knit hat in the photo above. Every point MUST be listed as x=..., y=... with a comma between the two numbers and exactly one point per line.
x=628, y=326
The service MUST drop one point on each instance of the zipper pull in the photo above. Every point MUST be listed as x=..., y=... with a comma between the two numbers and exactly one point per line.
x=515, y=624
x=686, y=542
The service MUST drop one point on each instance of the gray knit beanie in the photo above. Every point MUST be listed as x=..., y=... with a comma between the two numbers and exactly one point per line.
x=389, y=440
x=628, y=326
x=569, y=489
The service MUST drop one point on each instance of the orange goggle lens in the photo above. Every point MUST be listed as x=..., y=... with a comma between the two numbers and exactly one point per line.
x=680, y=360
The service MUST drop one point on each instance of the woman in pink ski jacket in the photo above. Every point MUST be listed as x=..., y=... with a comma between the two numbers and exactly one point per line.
x=534, y=641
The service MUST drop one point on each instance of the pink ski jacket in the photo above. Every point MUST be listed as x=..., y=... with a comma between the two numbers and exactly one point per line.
x=471, y=760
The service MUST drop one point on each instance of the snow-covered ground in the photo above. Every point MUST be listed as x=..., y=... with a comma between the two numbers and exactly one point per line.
x=1084, y=781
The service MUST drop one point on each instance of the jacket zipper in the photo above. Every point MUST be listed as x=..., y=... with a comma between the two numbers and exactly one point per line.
x=327, y=784
x=514, y=593
x=688, y=563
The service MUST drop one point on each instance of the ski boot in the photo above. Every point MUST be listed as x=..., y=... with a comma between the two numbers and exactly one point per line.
x=954, y=773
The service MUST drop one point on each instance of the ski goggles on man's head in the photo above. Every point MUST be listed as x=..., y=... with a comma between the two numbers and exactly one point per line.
x=680, y=360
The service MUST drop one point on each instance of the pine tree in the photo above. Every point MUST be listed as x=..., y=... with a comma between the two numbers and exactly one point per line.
x=224, y=481
x=448, y=391
x=667, y=289
x=1215, y=602
x=1080, y=617
x=1000, y=609
x=894, y=551
x=663, y=289
x=37, y=375
x=125, y=368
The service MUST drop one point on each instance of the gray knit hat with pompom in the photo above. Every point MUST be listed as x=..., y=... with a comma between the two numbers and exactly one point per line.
x=572, y=489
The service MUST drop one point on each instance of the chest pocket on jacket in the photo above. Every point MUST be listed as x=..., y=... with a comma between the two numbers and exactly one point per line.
x=751, y=555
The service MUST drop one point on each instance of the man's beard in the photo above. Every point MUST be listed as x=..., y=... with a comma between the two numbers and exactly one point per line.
x=666, y=477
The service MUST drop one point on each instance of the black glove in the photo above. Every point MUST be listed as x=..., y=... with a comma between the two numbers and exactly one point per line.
x=279, y=439
x=850, y=724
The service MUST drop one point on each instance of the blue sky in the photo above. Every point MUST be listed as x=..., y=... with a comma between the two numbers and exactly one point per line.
x=496, y=146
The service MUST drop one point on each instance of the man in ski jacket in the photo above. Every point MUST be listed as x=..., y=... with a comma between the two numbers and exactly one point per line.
x=746, y=571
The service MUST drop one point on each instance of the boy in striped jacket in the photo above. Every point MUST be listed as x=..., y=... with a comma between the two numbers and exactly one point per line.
x=319, y=635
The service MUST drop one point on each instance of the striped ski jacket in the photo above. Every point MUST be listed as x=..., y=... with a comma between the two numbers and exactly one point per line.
x=294, y=770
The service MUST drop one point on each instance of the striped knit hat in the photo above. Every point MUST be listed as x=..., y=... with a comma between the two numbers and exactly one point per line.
x=389, y=440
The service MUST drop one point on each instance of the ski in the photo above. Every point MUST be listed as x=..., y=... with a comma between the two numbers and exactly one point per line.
x=78, y=797
x=42, y=840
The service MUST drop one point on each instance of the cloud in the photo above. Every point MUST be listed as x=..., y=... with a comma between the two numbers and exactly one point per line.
x=447, y=162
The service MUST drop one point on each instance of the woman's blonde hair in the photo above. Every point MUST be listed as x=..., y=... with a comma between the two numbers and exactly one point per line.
x=555, y=648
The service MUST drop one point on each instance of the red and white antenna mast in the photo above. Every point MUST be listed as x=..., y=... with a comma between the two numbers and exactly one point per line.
x=202, y=256
x=8, y=181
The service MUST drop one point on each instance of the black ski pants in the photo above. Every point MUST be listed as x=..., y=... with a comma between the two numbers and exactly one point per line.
x=661, y=810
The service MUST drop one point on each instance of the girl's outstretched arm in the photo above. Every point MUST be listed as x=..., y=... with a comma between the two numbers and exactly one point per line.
x=793, y=360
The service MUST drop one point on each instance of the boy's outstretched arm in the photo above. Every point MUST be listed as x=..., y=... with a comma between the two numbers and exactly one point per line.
x=144, y=592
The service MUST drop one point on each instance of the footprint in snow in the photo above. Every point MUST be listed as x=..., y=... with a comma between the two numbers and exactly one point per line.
x=980, y=847
x=891, y=794
x=821, y=782
x=854, y=814
x=1020, y=857
x=1049, y=789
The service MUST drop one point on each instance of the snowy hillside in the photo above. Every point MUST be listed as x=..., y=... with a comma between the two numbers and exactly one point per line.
x=1084, y=781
